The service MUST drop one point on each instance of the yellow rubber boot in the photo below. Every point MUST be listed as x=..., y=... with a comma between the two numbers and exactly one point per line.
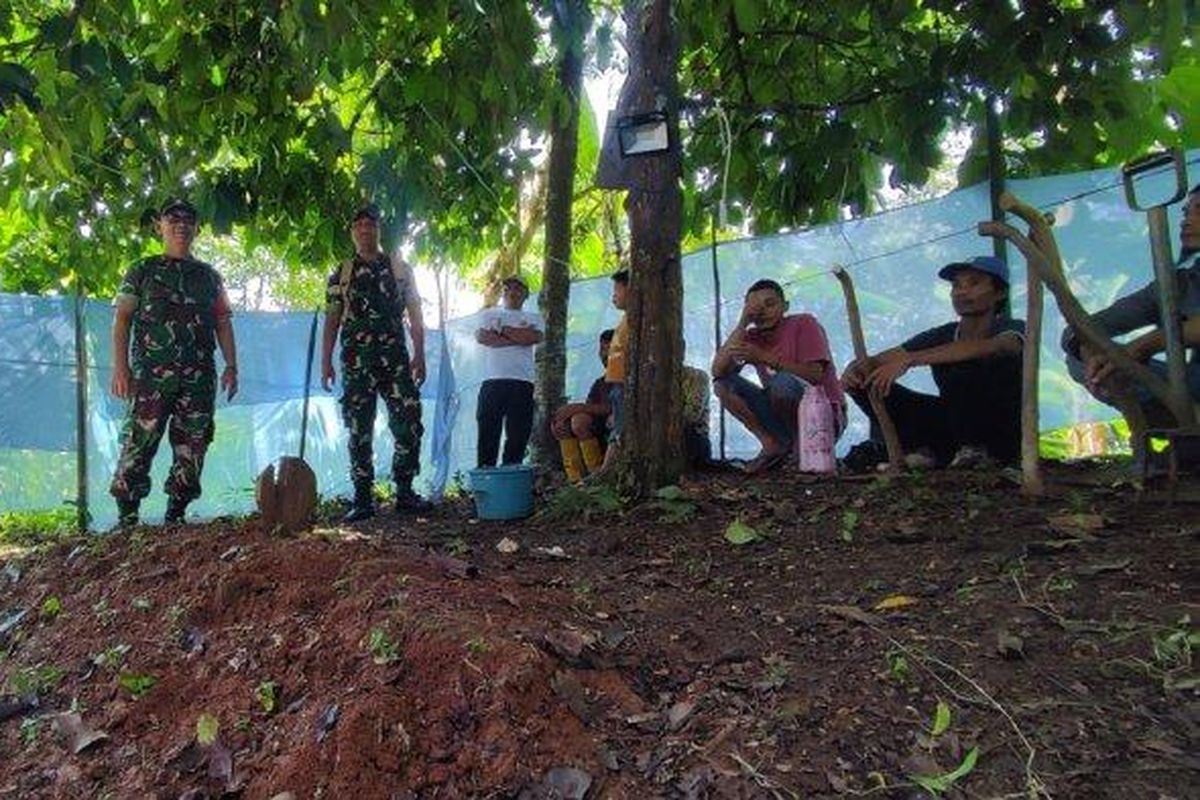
x=572, y=459
x=593, y=454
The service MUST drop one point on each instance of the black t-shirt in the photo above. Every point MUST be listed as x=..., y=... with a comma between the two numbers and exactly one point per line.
x=1007, y=366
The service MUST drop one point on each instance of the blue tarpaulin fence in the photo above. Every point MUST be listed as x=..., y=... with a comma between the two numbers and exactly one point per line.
x=893, y=258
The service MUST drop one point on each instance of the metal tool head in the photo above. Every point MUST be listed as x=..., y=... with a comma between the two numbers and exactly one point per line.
x=1154, y=162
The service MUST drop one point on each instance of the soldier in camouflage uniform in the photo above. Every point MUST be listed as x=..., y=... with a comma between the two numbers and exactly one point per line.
x=171, y=311
x=366, y=299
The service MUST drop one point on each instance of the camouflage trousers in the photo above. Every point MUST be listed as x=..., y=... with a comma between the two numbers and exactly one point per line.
x=179, y=400
x=365, y=379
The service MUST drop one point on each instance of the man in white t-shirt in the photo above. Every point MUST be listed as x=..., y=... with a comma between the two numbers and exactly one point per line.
x=506, y=395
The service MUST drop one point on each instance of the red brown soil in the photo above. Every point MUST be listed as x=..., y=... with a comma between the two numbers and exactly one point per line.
x=658, y=658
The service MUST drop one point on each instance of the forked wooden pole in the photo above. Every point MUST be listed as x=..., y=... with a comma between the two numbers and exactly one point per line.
x=1083, y=324
x=890, y=437
x=1051, y=271
x=1042, y=238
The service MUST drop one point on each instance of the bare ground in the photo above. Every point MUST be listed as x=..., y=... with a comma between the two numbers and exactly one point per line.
x=876, y=637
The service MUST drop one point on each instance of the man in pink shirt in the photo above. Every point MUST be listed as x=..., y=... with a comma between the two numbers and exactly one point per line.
x=789, y=353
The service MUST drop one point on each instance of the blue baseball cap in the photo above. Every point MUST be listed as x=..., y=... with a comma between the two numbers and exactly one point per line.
x=989, y=264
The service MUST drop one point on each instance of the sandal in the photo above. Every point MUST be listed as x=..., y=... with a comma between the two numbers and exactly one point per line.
x=765, y=462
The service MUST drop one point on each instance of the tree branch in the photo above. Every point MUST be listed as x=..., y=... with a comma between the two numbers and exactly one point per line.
x=738, y=58
x=703, y=102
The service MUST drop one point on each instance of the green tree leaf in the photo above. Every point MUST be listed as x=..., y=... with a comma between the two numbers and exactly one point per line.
x=206, y=729
x=940, y=784
x=739, y=533
x=941, y=719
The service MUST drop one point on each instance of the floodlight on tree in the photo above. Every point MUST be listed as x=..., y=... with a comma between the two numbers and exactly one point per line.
x=644, y=134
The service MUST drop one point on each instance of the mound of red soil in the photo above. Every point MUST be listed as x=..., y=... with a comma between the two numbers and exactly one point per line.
x=333, y=668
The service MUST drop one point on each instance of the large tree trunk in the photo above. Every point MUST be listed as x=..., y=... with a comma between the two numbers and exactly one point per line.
x=651, y=452
x=571, y=20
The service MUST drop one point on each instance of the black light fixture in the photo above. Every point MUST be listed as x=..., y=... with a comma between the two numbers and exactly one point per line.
x=644, y=134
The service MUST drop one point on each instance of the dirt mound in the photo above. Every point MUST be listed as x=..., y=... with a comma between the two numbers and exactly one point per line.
x=331, y=667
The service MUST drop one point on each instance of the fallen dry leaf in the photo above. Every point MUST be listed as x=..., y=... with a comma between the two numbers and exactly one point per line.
x=894, y=601
x=79, y=737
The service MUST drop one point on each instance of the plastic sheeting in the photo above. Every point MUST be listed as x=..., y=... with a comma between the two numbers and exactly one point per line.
x=893, y=258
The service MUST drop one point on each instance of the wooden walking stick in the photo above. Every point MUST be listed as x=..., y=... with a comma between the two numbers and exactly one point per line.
x=890, y=437
x=1047, y=251
x=1051, y=273
x=1078, y=318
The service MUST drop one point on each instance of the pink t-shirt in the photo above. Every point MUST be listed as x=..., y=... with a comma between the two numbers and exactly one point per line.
x=798, y=338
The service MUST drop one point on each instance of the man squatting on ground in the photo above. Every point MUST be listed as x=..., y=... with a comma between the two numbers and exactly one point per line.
x=508, y=335
x=1140, y=310
x=976, y=364
x=367, y=298
x=789, y=353
x=582, y=428
x=171, y=311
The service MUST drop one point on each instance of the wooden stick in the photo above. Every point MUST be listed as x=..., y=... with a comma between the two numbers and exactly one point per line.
x=1043, y=239
x=890, y=437
x=1031, y=475
x=1076, y=316
x=1125, y=402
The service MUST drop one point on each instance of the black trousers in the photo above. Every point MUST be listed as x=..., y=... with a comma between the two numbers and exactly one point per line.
x=974, y=408
x=507, y=405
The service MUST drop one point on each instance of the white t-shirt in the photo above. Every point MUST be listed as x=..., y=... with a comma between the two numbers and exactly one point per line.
x=513, y=362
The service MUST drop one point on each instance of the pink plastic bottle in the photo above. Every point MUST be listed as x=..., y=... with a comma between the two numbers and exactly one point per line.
x=815, y=432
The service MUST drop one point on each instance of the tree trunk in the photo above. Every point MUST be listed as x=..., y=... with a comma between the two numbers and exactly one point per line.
x=651, y=452
x=569, y=28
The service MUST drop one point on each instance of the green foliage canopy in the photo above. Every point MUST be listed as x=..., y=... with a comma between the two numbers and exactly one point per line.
x=820, y=95
x=275, y=118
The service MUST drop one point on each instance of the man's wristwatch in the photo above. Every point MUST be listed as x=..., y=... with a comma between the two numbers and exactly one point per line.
x=231, y=368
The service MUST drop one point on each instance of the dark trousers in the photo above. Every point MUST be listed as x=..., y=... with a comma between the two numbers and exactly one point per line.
x=974, y=408
x=506, y=405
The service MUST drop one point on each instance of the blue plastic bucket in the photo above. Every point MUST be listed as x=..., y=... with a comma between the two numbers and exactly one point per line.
x=503, y=492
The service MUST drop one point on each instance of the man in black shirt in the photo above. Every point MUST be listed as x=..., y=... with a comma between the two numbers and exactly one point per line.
x=976, y=364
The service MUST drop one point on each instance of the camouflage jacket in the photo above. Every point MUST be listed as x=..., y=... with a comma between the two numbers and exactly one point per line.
x=177, y=304
x=371, y=297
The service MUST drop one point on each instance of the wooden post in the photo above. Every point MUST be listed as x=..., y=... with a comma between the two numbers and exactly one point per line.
x=81, y=466
x=890, y=437
x=1031, y=475
x=716, y=273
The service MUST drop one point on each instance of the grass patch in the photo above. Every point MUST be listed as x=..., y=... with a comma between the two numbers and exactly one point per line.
x=1093, y=439
x=33, y=528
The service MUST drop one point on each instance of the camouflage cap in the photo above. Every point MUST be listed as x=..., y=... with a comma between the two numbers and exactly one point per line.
x=369, y=210
x=177, y=204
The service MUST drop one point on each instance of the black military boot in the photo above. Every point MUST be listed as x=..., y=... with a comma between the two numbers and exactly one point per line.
x=408, y=501
x=127, y=513
x=176, y=509
x=364, y=505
